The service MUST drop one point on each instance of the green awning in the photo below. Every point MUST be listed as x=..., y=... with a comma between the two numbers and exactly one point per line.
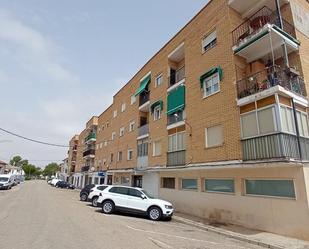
x=176, y=100
x=143, y=85
x=155, y=104
x=211, y=72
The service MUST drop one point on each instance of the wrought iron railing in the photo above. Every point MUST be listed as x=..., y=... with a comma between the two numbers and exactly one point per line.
x=144, y=97
x=269, y=77
x=89, y=152
x=257, y=21
x=177, y=76
x=85, y=168
x=174, y=118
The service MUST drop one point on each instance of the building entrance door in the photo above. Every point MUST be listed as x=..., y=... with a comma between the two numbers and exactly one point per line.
x=137, y=181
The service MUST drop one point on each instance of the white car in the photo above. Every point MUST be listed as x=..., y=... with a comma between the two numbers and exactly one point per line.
x=54, y=182
x=94, y=194
x=6, y=181
x=134, y=200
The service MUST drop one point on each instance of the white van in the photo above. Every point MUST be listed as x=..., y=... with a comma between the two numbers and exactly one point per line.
x=6, y=181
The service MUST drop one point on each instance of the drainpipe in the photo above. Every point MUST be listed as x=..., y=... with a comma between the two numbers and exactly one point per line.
x=284, y=48
x=297, y=130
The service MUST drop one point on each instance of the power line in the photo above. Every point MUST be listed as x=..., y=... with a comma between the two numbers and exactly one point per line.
x=34, y=140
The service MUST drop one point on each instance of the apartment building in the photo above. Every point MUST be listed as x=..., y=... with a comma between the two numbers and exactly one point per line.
x=217, y=121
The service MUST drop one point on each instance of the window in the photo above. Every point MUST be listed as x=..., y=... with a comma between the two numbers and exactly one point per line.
x=168, y=182
x=275, y=188
x=142, y=148
x=209, y=41
x=132, y=126
x=107, y=124
x=123, y=107
x=113, y=135
x=259, y=122
x=119, y=190
x=135, y=193
x=189, y=184
x=112, y=157
x=101, y=188
x=211, y=85
x=156, y=148
x=121, y=132
x=159, y=80
x=125, y=180
x=157, y=113
x=119, y=156
x=97, y=146
x=105, y=143
x=214, y=136
x=176, y=142
x=115, y=114
x=287, y=119
x=101, y=144
x=130, y=155
x=220, y=185
x=133, y=99
x=302, y=120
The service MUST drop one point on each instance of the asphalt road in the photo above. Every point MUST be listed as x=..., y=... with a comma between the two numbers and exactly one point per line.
x=35, y=215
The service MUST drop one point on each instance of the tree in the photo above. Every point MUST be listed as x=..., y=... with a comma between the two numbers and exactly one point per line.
x=29, y=169
x=51, y=169
x=18, y=161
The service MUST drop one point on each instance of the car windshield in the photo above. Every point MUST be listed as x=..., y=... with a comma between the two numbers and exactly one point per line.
x=147, y=194
x=4, y=179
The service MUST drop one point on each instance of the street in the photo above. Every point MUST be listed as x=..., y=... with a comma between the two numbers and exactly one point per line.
x=34, y=215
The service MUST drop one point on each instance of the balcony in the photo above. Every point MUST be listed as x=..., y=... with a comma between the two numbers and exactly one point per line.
x=260, y=35
x=85, y=168
x=268, y=78
x=92, y=137
x=280, y=145
x=143, y=130
x=175, y=118
x=176, y=76
x=90, y=153
x=176, y=158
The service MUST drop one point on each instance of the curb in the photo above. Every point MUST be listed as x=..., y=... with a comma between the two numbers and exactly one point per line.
x=226, y=233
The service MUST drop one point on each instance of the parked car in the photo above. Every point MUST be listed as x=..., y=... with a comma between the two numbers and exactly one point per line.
x=54, y=182
x=94, y=194
x=6, y=181
x=63, y=184
x=134, y=200
x=85, y=192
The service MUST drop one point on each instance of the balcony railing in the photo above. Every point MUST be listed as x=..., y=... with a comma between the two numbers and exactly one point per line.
x=176, y=158
x=85, y=168
x=269, y=77
x=257, y=21
x=280, y=145
x=174, y=118
x=177, y=76
x=91, y=136
x=143, y=130
x=143, y=98
x=89, y=152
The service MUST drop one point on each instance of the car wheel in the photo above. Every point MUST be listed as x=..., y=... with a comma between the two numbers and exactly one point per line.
x=108, y=207
x=83, y=197
x=95, y=201
x=155, y=213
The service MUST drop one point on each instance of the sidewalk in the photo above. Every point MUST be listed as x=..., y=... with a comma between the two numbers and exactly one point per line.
x=264, y=239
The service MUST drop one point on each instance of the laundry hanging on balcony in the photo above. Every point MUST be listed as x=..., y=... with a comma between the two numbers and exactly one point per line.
x=144, y=83
x=176, y=100
x=210, y=73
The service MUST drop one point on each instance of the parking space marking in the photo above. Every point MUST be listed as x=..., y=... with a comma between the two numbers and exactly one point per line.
x=170, y=235
x=159, y=243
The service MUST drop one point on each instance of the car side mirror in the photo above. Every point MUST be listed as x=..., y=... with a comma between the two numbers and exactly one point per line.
x=143, y=197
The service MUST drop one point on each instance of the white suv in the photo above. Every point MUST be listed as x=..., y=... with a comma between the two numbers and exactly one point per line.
x=94, y=194
x=134, y=200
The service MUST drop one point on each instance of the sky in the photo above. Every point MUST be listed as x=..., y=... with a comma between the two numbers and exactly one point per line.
x=61, y=62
